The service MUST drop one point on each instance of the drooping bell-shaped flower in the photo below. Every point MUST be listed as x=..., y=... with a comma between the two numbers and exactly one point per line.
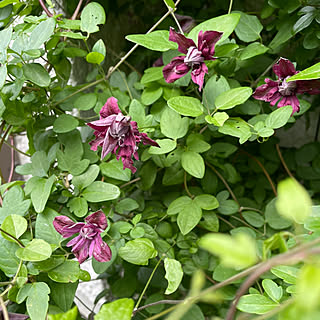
x=283, y=92
x=194, y=56
x=88, y=242
x=116, y=133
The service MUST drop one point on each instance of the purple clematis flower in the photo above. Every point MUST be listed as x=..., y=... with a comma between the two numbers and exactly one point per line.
x=116, y=133
x=89, y=241
x=285, y=92
x=194, y=56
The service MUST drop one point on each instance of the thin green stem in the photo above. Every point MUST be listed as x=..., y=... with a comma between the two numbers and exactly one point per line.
x=147, y=285
x=4, y=309
x=186, y=186
x=21, y=245
x=223, y=181
x=230, y=6
x=16, y=149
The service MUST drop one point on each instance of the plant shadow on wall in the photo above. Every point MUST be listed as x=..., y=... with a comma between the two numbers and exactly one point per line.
x=175, y=187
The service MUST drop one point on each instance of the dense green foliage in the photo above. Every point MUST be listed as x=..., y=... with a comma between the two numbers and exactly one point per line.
x=218, y=222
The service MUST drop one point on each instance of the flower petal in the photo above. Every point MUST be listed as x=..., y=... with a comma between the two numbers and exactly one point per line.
x=308, y=86
x=83, y=253
x=183, y=42
x=175, y=70
x=108, y=146
x=98, y=218
x=266, y=91
x=292, y=101
x=206, y=43
x=284, y=68
x=197, y=75
x=66, y=227
x=101, y=252
x=147, y=140
x=110, y=107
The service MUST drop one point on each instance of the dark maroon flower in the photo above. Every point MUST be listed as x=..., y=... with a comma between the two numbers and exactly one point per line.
x=285, y=92
x=89, y=241
x=116, y=133
x=194, y=56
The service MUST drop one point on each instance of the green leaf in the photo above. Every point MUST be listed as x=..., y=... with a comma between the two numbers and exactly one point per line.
x=70, y=34
x=304, y=21
x=69, y=271
x=238, y=251
x=236, y=127
x=178, y=205
x=206, y=201
x=156, y=40
x=36, y=250
x=253, y=50
x=166, y=145
x=248, y=28
x=288, y=274
x=45, y=229
x=172, y=125
x=170, y=3
x=138, y=251
x=174, y=274
x=37, y=74
x=256, y=303
x=65, y=123
x=152, y=74
x=78, y=206
x=95, y=57
x=14, y=203
x=116, y=310
x=310, y=73
x=254, y=218
x=218, y=119
x=100, y=47
x=274, y=219
x=38, y=168
x=278, y=118
x=69, y=315
x=86, y=101
x=307, y=293
x=3, y=75
x=189, y=217
x=15, y=225
x=196, y=143
x=5, y=36
x=41, y=33
x=62, y=294
x=41, y=192
x=186, y=106
x=293, y=201
x=114, y=169
x=137, y=112
x=8, y=260
x=272, y=289
x=85, y=179
x=37, y=295
x=92, y=15
x=193, y=163
x=284, y=33
x=225, y=24
x=213, y=88
x=101, y=191
x=232, y=98
x=151, y=94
